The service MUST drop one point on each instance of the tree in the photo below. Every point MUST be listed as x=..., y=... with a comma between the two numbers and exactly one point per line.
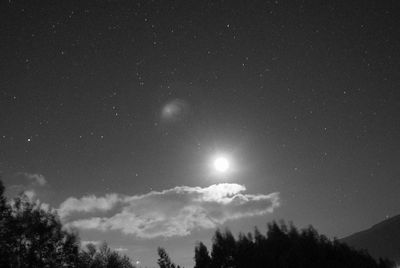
x=164, y=261
x=244, y=249
x=5, y=240
x=283, y=247
x=33, y=237
x=223, y=249
x=103, y=257
x=3, y=202
x=201, y=256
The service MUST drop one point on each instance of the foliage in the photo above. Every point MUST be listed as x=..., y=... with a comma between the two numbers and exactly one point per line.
x=164, y=261
x=33, y=237
x=5, y=239
x=103, y=257
x=282, y=247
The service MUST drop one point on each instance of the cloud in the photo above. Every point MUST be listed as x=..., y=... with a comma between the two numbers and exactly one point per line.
x=87, y=204
x=172, y=212
x=120, y=249
x=37, y=179
x=30, y=194
x=30, y=184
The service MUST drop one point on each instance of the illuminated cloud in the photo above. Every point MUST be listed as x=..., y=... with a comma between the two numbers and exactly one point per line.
x=89, y=203
x=173, y=212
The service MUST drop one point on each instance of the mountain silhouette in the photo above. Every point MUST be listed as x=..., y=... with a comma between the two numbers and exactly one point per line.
x=382, y=240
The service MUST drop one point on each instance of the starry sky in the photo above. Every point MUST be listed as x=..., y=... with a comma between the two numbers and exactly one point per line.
x=112, y=111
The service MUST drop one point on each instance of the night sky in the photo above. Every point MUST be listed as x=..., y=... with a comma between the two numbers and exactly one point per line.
x=113, y=112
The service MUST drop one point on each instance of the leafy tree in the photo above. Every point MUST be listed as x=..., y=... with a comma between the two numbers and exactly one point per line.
x=103, y=257
x=3, y=202
x=5, y=240
x=33, y=237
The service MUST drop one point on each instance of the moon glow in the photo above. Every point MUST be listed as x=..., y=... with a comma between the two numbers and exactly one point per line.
x=221, y=164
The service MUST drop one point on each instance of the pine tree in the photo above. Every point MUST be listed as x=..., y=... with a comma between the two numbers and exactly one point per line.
x=164, y=261
x=201, y=256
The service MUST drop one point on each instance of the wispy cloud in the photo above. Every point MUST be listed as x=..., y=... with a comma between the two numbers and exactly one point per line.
x=29, y=184
x=120, y=249
x=172, y=212
x=38, y=179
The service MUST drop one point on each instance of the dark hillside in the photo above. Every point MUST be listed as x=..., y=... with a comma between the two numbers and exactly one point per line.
x=381, y=240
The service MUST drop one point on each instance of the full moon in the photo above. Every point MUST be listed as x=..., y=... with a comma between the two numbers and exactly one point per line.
x=221, y=164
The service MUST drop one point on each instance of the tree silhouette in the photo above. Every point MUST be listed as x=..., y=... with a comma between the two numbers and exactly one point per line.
x=5, y=239
x=103, y=257
x=283, y=247
x=201, y=256
x=244, y=249
x=164, y=261
x=33, y=237
x=223, y=249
